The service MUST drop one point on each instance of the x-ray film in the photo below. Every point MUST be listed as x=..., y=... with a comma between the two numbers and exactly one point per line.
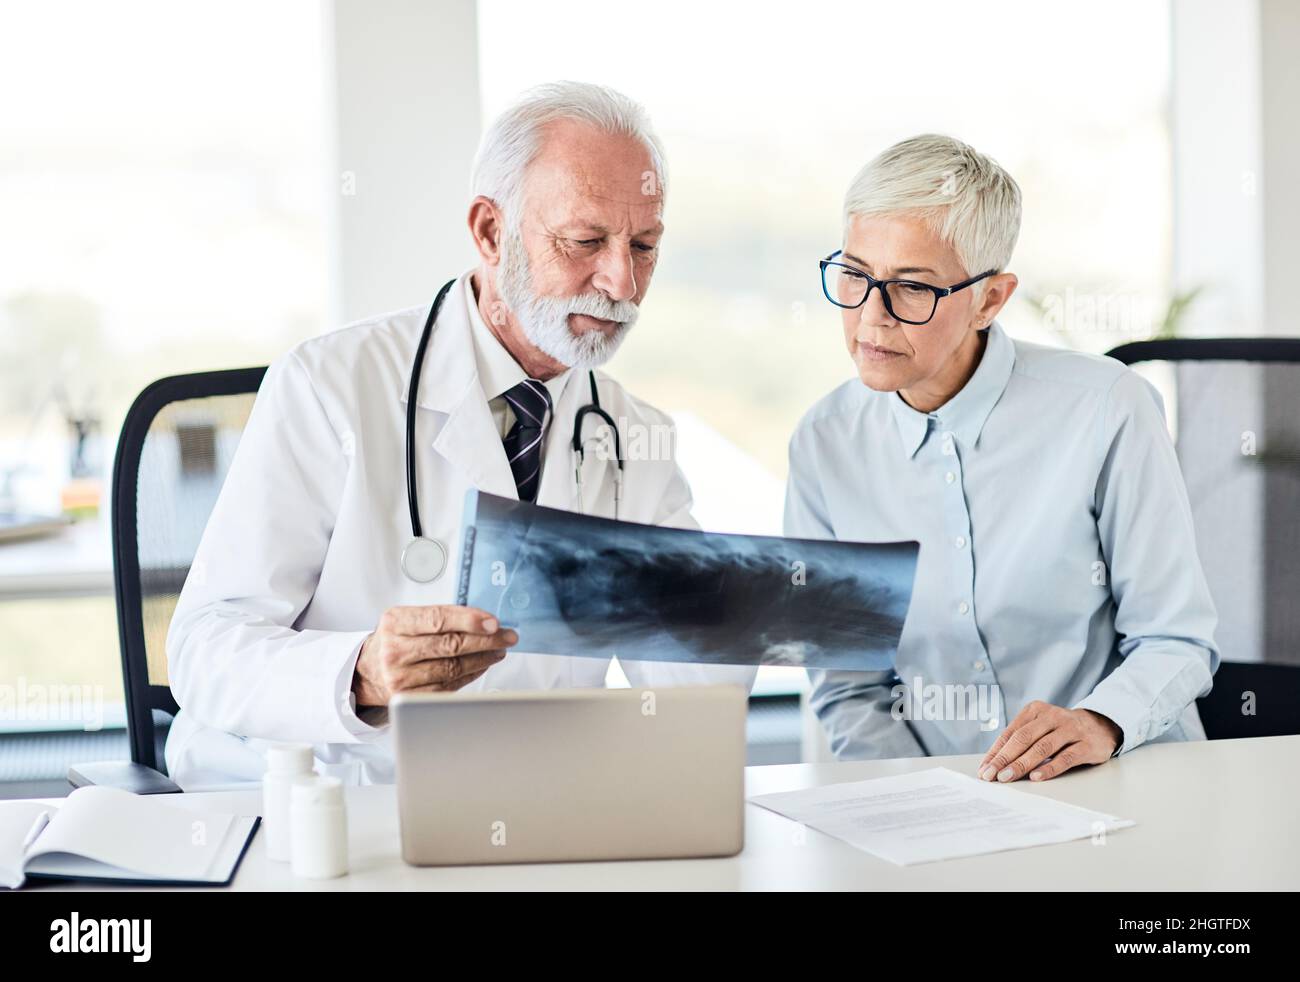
x=573, y=584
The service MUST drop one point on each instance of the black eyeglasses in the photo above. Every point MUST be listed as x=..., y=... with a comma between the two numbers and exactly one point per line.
x=906, y=300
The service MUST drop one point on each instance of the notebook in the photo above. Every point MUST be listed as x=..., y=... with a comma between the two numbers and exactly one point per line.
x=103, y=834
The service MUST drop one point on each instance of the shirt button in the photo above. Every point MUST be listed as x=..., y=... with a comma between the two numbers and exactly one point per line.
x=948, y=448
x=950, y=477
x=963, y=608
x=960, y=542
x=978, y=666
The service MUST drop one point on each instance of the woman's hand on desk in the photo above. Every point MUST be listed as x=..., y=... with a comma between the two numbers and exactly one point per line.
x=427, y=649
x=1064, y=738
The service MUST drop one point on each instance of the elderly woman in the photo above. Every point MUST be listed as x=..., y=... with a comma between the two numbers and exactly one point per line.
x=1057, y=572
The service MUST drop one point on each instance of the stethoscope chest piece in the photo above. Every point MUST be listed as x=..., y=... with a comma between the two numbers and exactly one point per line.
x=424, y=559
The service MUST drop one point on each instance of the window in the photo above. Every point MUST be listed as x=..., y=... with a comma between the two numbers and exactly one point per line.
x=767, y=111
x=162, y=194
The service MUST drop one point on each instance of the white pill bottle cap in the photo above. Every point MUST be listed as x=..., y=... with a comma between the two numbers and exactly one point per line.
x=318, y=792
x=289, y=758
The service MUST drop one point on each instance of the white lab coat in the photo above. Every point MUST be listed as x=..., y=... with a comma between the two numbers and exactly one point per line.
x=301, y=554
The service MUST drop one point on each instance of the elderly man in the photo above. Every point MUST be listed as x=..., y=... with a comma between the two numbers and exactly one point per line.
x=1058, y=586
x=318, y=591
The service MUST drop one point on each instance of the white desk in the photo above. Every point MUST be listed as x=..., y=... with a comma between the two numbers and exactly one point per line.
x=1217, y=816
x=76, y=561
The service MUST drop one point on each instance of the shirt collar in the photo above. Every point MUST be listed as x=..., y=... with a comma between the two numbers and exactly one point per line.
x=965, y=413
x=498, y=372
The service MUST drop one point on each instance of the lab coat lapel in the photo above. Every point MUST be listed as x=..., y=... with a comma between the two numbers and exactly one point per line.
x=470, y=441
x=449, y=385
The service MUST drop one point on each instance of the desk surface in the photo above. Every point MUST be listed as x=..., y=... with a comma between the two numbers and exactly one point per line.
x=74, y=561
x=1220, y=815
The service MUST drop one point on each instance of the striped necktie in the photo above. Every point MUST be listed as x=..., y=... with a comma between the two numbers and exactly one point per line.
x=531, y=402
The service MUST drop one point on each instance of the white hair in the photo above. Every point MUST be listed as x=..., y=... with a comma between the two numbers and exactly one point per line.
x=512, y=140
x=967, y=199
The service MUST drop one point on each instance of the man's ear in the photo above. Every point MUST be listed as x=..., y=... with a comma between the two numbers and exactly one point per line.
x=486, y=228
x=997, y=292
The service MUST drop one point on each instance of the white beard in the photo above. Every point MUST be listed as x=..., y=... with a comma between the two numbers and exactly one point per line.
x=545, y=320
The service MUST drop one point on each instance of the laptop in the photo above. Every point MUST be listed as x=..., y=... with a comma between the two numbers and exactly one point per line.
x=570, y=775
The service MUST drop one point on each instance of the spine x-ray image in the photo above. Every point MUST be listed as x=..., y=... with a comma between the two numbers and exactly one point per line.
x=572, y=584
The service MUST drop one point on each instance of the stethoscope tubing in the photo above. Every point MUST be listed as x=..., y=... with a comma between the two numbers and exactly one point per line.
x=413, y=390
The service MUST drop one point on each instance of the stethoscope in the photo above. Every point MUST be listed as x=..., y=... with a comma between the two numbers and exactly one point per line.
x=424, y=559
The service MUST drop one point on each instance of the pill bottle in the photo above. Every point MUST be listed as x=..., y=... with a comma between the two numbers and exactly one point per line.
x=285, y=763
x=318, y=815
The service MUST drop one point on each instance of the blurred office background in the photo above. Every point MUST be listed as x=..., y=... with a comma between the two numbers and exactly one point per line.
x=198, y=186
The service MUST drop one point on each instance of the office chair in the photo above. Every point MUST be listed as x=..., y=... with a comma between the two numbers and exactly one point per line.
x=1233, y=405
x=176, y=445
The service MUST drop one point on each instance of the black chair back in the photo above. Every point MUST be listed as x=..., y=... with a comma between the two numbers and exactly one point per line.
x=176, y=446
x=1233, y=406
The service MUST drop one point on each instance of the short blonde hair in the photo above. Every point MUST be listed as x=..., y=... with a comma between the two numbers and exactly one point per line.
x=969, y=201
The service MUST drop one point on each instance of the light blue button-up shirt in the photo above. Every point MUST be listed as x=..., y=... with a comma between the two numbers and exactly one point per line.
x=1057, y=554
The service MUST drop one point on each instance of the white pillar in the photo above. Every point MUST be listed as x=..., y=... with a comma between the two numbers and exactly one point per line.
x=1279, y=31
x=1234, y=91
x=1215, y=131
x=403, y=117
